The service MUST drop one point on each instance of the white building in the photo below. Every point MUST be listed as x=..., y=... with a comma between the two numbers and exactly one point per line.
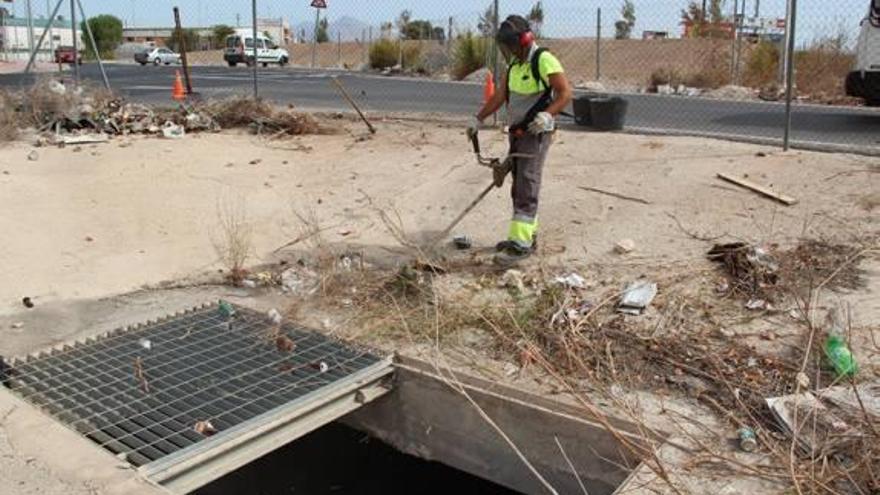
x=14, y=42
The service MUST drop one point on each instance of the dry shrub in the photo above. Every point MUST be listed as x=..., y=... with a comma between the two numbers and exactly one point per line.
x=234, y=243
x=762, y=66
x=469, y=56
x=715, y=71
x=822, y=68
x=8, y=121
x=241, y=111
x=663, y=77
x=383, y=54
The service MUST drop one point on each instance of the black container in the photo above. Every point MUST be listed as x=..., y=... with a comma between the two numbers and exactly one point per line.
x=581, y=107
x=608, y=114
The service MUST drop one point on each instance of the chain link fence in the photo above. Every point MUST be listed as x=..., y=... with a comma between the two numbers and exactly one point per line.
x=703, y=67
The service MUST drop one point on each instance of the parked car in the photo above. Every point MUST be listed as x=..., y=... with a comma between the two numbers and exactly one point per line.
x=240, y=50
x=157, y=56
x=67, y=55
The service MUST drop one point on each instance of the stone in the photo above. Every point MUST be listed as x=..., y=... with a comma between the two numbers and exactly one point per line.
x=625, y=246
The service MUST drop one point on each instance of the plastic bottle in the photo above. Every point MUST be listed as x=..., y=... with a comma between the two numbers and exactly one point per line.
x=839, y=355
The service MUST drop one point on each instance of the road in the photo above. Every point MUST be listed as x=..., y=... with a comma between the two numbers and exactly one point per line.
x=814, y=126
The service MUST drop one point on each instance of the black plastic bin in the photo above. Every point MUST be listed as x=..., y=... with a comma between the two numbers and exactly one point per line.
x=608, y=113
x=581, y=107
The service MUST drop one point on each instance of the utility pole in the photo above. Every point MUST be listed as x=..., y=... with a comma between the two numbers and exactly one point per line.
x=790, y=20
x=757, y=9
x=256, y=83
x=51, y=34
x=30, y=25
x=75, y=42
x=598, y=43
x=315, y=38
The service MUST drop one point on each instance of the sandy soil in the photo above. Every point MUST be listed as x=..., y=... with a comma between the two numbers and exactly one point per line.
x=82, y=224
x=103, y=219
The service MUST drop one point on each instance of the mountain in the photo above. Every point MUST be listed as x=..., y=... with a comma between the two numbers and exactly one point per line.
x=350, y=28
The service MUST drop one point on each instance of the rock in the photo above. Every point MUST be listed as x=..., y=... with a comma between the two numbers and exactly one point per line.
x=572, y=281
x=17, y=325
x=256, y=161
x=274, y=316
x=625, y=246
x=33, y=156
x=731, y=92
x=665, y=89
x=513, y=279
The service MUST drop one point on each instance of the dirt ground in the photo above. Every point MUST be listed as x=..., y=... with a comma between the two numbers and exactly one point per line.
x=83, y=225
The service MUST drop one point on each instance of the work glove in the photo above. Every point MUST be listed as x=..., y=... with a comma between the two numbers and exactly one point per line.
x=473, y=125
x=543, y=122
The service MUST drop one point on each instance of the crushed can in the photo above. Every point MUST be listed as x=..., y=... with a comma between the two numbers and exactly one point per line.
x=748, y=441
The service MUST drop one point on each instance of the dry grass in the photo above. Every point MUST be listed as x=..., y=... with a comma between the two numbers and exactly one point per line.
x=261, y=116
x=234, y=242
x=9, y=126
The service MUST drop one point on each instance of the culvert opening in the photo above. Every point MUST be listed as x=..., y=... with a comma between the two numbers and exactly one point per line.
x=338, y=459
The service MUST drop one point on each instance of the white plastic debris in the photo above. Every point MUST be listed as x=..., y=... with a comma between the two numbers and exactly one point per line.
x=33, y=156
x=572, y=281
x=510, y=369
x=637, y=297
x=757, y=304
x=248, y=284
x=275, y=316
x=57, y=88
x=146, y=344
x=803, y=380
x=173, y=131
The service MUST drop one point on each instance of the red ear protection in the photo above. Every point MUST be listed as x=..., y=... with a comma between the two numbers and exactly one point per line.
x=526, y=38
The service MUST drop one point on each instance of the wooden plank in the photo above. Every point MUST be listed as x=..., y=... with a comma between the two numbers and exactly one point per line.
x=764, y=191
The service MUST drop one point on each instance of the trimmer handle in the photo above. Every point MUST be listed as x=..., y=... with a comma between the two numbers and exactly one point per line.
x=475, y=140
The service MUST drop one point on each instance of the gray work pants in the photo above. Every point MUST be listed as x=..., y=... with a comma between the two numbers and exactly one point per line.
x=527, y=174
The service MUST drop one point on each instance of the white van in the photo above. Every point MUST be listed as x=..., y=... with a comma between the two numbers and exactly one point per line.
x=864, y=80
x=240, y=50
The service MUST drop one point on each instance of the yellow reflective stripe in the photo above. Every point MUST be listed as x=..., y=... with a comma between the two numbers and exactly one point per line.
x=522, y=233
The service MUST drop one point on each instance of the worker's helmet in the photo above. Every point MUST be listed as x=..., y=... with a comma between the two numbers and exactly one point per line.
x=515, y=32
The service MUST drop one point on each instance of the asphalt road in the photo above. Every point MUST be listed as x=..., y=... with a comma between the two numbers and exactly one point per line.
x=813, y=125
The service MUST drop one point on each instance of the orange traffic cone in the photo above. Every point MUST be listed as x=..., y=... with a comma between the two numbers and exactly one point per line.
x=177, y=92
x=489, y=89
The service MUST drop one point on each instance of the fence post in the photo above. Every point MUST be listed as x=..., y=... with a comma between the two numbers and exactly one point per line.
x=315, y=36
x=733, y=42
x=598, y=43
x=75, y=42
x=366, y=47
x=791, y=20
x=338, y=48
x=256, y=82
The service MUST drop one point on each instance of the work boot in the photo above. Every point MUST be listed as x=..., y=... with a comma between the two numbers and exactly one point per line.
x=512, y=255
x=505, y=245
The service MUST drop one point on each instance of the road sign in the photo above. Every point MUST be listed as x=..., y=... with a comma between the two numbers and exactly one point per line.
x=319, y=4
x=780, y=23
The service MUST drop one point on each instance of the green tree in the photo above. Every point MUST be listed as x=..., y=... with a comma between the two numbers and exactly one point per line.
x=703, y=26
x=536, y=18
x=323, y=34
x=402, y=23
x=623, y=28
x=107, y=30
x=418, y=30
x=220, y=32
x=190, y=39
x=487, y=21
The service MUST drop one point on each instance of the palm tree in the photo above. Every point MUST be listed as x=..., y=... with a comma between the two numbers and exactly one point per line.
x=536, y=18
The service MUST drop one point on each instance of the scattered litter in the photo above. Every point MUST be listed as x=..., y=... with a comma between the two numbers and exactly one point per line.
x=275, y=316
x=83, y=139
x=89, y=238
x=205, y=428
x=28, y=303
x=173, y=131
x=748, y=441
x=637, y=297
x=757, y=188
x=757, y=305
x=462, y=242
x=802, y=380
x=322, y=367
x=33, y=156
x=625, y=246
x=723, y=287
x=248, y=284
x=512, y=279
x=572, y=281
x=226, y=309
x=298, y=280
x=821, y=431
x=510, y=369
x=122, y=456
x=284, y=343
x=146, y=344
x=140, y=376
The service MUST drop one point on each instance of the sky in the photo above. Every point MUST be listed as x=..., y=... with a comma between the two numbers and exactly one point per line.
x=563, y=18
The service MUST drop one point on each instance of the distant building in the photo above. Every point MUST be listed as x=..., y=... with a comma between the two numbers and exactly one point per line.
x=655, y=35
x=277, y=29
x=14, y=36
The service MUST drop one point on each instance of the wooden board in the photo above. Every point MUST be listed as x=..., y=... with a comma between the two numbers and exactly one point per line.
x=764, y=191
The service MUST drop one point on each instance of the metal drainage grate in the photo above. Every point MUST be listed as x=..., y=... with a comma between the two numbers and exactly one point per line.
x=152, y=390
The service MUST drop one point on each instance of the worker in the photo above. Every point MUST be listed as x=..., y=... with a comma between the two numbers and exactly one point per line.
x=536, y=91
